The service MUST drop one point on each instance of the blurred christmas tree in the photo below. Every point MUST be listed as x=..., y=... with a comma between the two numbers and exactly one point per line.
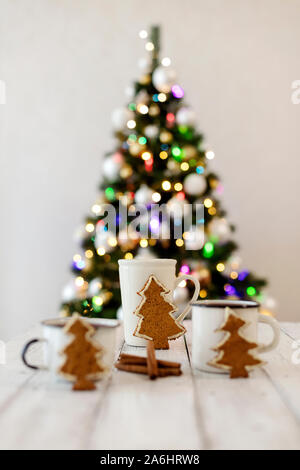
x=159, y=158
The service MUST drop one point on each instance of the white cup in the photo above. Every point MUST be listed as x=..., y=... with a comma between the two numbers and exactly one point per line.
x=134, y=275
x=208, y=316
x=55, y=339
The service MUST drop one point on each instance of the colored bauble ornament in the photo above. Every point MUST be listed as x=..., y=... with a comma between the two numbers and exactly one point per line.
x=126, y=241
x=144, y=195
x=154, y=110
x=104, y=240
x=173, y=166
x=165, y=137
x=126, y=171
x=194, y=238
x=180, y=295
x=135, y=149
x=151, y=131
x=194, y=184
x=120, y=117
x=95, y=286
x=145, y=79
x=186, y=117
x=178, y=207
x=163, y=79
x=220, y=228
x=189, y=151
x=112, y=165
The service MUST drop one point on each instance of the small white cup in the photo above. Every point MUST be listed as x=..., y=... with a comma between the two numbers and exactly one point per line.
x=208, y=316
x=55, y=339
x=134, y=275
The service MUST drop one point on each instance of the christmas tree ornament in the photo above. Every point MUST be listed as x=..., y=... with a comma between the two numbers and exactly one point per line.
x=154, y=110
x=186, y=117
x=194, y=184
x=165, y=137
x=120, y=117
x=135, y=149
x=144, y=64
x=143, y=195
x=189, y=151
x=156, y=322
x=151, y=131
x=111, y=166
x=83, y=355
x=220, y=229
x=194, y=238
x=95, y=287
x=105, y=241
x=234, y=350
x=163, y=79
x=178, y=207
x=69, y=292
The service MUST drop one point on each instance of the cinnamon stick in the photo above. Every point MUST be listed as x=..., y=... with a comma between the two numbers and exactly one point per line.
x=139, y=360
x=138, y=369
x=132, y=368
x=151, y=361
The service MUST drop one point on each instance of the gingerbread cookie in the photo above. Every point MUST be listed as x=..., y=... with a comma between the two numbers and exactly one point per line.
x=155, y=312
x=83, y=355
x=234, y=348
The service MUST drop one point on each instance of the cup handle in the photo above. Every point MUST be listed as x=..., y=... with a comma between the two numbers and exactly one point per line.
x=195, y=295
x=25, y=351
x=276, y=330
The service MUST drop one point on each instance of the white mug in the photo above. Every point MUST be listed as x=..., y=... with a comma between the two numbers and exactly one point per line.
x=55, y=339
x=208, y=316
x=134, y=275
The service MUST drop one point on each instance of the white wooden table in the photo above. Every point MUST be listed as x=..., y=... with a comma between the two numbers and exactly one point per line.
x=128, y=411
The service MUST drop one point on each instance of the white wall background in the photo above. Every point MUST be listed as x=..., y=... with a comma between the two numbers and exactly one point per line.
x=66, y=64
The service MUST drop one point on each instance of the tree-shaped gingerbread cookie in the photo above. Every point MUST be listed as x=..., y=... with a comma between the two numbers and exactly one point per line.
x=83, y=355
x=234, y=348
x=156, y=321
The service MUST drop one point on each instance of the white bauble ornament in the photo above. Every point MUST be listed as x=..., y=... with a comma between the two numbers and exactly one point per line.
x=112, y=166
x=102, y=240
x=194, y=238
x=69, y=292
x=144, y=253
x=151, y=131
x=185, y=117
x=180, y=295
x=178, y=207
x=129, y=91
x=195, y=184
x=144, y=64
x=220, y=228
x=143, y=195
x=120, y=117
x=163, y=79
x=142, y=97
x=95, y=287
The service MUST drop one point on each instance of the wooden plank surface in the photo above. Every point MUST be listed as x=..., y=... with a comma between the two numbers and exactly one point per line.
x=249, y=414
x=140, y=413
x=128, y=411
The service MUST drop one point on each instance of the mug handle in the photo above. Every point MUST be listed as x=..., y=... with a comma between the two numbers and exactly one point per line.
x=195, y=295
x=276, y=331
x=25, y=351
